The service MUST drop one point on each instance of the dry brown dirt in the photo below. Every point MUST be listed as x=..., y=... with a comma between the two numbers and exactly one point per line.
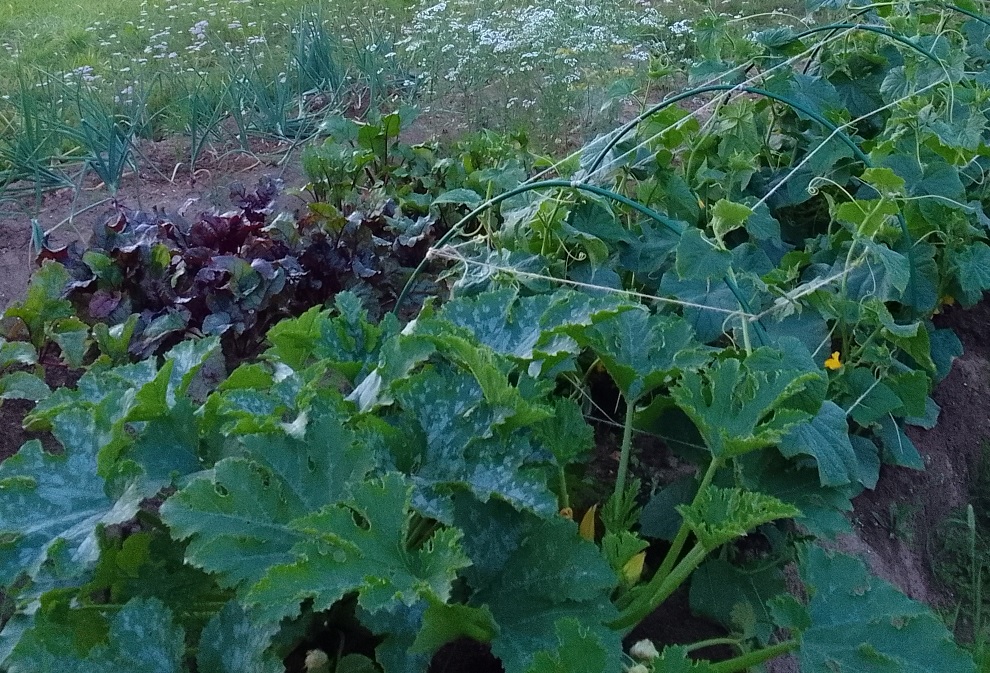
x=898, y=521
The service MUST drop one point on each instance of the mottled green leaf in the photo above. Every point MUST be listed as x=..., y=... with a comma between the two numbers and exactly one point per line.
x=525, y=327
x=239, y=514
x=233, y=642
x=55, y=499
x=859, y=622
x=640, y=349
x=467, y=197
x=720, y=515
x=361, y=545
x=23, y=386
x=465, y=443
x=169, y=447
x=738, y=406
x=237, y=517
x=142, y=639
x=17, y=353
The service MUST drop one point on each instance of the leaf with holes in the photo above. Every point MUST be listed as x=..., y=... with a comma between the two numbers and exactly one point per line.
x=239, y=516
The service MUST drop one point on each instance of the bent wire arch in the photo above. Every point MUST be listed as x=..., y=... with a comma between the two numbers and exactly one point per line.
x=671, y=224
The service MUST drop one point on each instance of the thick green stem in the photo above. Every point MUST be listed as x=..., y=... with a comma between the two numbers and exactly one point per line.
x=620, y=478
x=565, y=500
x=746, y=661
x=747, y=344
x=682, y=534
x=659, y=589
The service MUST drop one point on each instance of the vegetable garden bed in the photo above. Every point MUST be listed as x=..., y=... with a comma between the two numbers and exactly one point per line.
x=476, y=407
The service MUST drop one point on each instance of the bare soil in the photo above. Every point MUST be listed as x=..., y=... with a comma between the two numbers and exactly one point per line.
x=899, y=520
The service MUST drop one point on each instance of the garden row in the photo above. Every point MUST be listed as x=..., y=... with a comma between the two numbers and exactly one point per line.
x=227, y=78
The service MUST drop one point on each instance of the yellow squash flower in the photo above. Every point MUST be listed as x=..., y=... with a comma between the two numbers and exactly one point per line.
x=833, y=362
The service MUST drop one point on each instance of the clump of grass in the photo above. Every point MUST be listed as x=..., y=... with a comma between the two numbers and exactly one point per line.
x=962, y=562
x=317, y=56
